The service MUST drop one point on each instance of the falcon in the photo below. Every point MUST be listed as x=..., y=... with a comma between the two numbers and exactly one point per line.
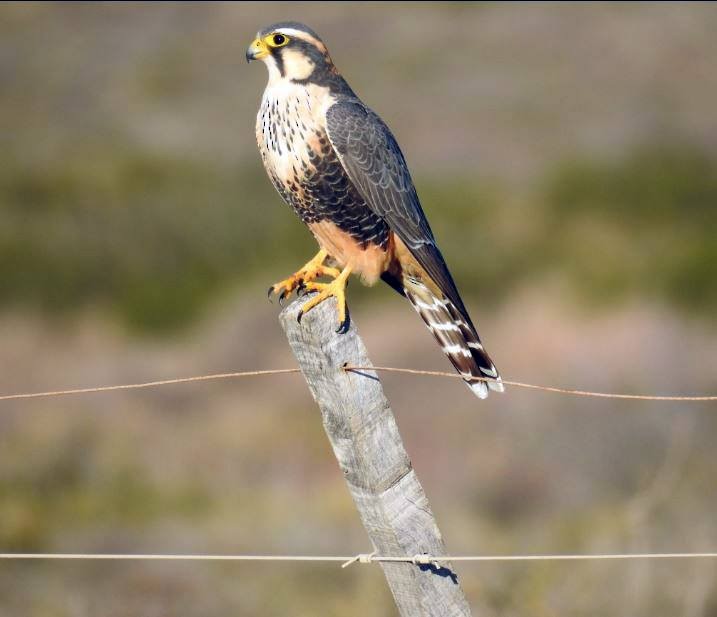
x=337, y=164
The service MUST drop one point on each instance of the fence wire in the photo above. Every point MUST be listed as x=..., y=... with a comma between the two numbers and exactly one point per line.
x=356, y=370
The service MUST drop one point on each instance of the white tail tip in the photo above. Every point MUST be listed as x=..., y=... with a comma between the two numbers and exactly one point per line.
x=496, y=385
x=480, y=389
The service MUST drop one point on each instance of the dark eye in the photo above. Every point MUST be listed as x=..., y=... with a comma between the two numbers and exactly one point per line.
x=279, y=39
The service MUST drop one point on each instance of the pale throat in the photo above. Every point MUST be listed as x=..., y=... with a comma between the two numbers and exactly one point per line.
x=305, y=101
x=291, y=115
x=296, y=67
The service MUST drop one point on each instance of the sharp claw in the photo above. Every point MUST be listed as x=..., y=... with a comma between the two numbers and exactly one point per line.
x=282, y=297
x=345, y=324
x=270, y=293
x=299, y=316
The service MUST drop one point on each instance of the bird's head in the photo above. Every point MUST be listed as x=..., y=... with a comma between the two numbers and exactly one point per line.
x=291, y=51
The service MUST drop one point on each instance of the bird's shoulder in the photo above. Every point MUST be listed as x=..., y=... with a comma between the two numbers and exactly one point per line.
x=350, y=119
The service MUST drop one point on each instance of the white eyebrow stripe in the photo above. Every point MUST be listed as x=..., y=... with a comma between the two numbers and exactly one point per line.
x=286, y=31
x=292, y=32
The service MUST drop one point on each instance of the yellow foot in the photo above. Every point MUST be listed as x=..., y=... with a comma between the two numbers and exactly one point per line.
x=313, y=269
x=336, y=288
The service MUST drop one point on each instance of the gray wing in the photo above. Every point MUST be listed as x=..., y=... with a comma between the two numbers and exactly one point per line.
x=374, y=163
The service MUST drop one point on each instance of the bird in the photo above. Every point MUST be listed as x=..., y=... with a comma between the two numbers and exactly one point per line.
x=338, y=165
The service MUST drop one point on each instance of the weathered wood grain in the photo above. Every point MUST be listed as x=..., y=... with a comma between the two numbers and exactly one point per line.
x=365, y=439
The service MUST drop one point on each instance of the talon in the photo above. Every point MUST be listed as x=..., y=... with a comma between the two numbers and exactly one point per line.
x=298, y=281
x=344, y=321
x=336, y=288
x=299, y=315
x=345, y=324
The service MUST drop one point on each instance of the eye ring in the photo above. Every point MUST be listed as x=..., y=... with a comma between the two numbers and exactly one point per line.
x=277, y=39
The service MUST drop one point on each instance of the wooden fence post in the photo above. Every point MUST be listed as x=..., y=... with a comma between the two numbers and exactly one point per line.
x=363, y=433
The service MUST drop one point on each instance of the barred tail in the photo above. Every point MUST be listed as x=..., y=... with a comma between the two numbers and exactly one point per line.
x=456, y=336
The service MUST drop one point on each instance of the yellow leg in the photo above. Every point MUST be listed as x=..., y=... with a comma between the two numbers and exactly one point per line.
x=336, y=288
x=311, y=270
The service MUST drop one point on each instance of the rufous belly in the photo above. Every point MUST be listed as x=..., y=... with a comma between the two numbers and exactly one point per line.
x=369, y=262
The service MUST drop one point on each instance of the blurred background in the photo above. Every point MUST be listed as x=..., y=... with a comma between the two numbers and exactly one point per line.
x=566, y=156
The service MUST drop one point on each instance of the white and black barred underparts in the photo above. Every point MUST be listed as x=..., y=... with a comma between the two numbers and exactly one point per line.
x=304, y=167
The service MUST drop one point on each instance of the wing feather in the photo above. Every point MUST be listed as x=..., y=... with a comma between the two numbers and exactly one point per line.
x=375, y=164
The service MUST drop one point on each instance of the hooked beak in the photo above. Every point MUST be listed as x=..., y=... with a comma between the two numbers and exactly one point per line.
x=257, y=50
